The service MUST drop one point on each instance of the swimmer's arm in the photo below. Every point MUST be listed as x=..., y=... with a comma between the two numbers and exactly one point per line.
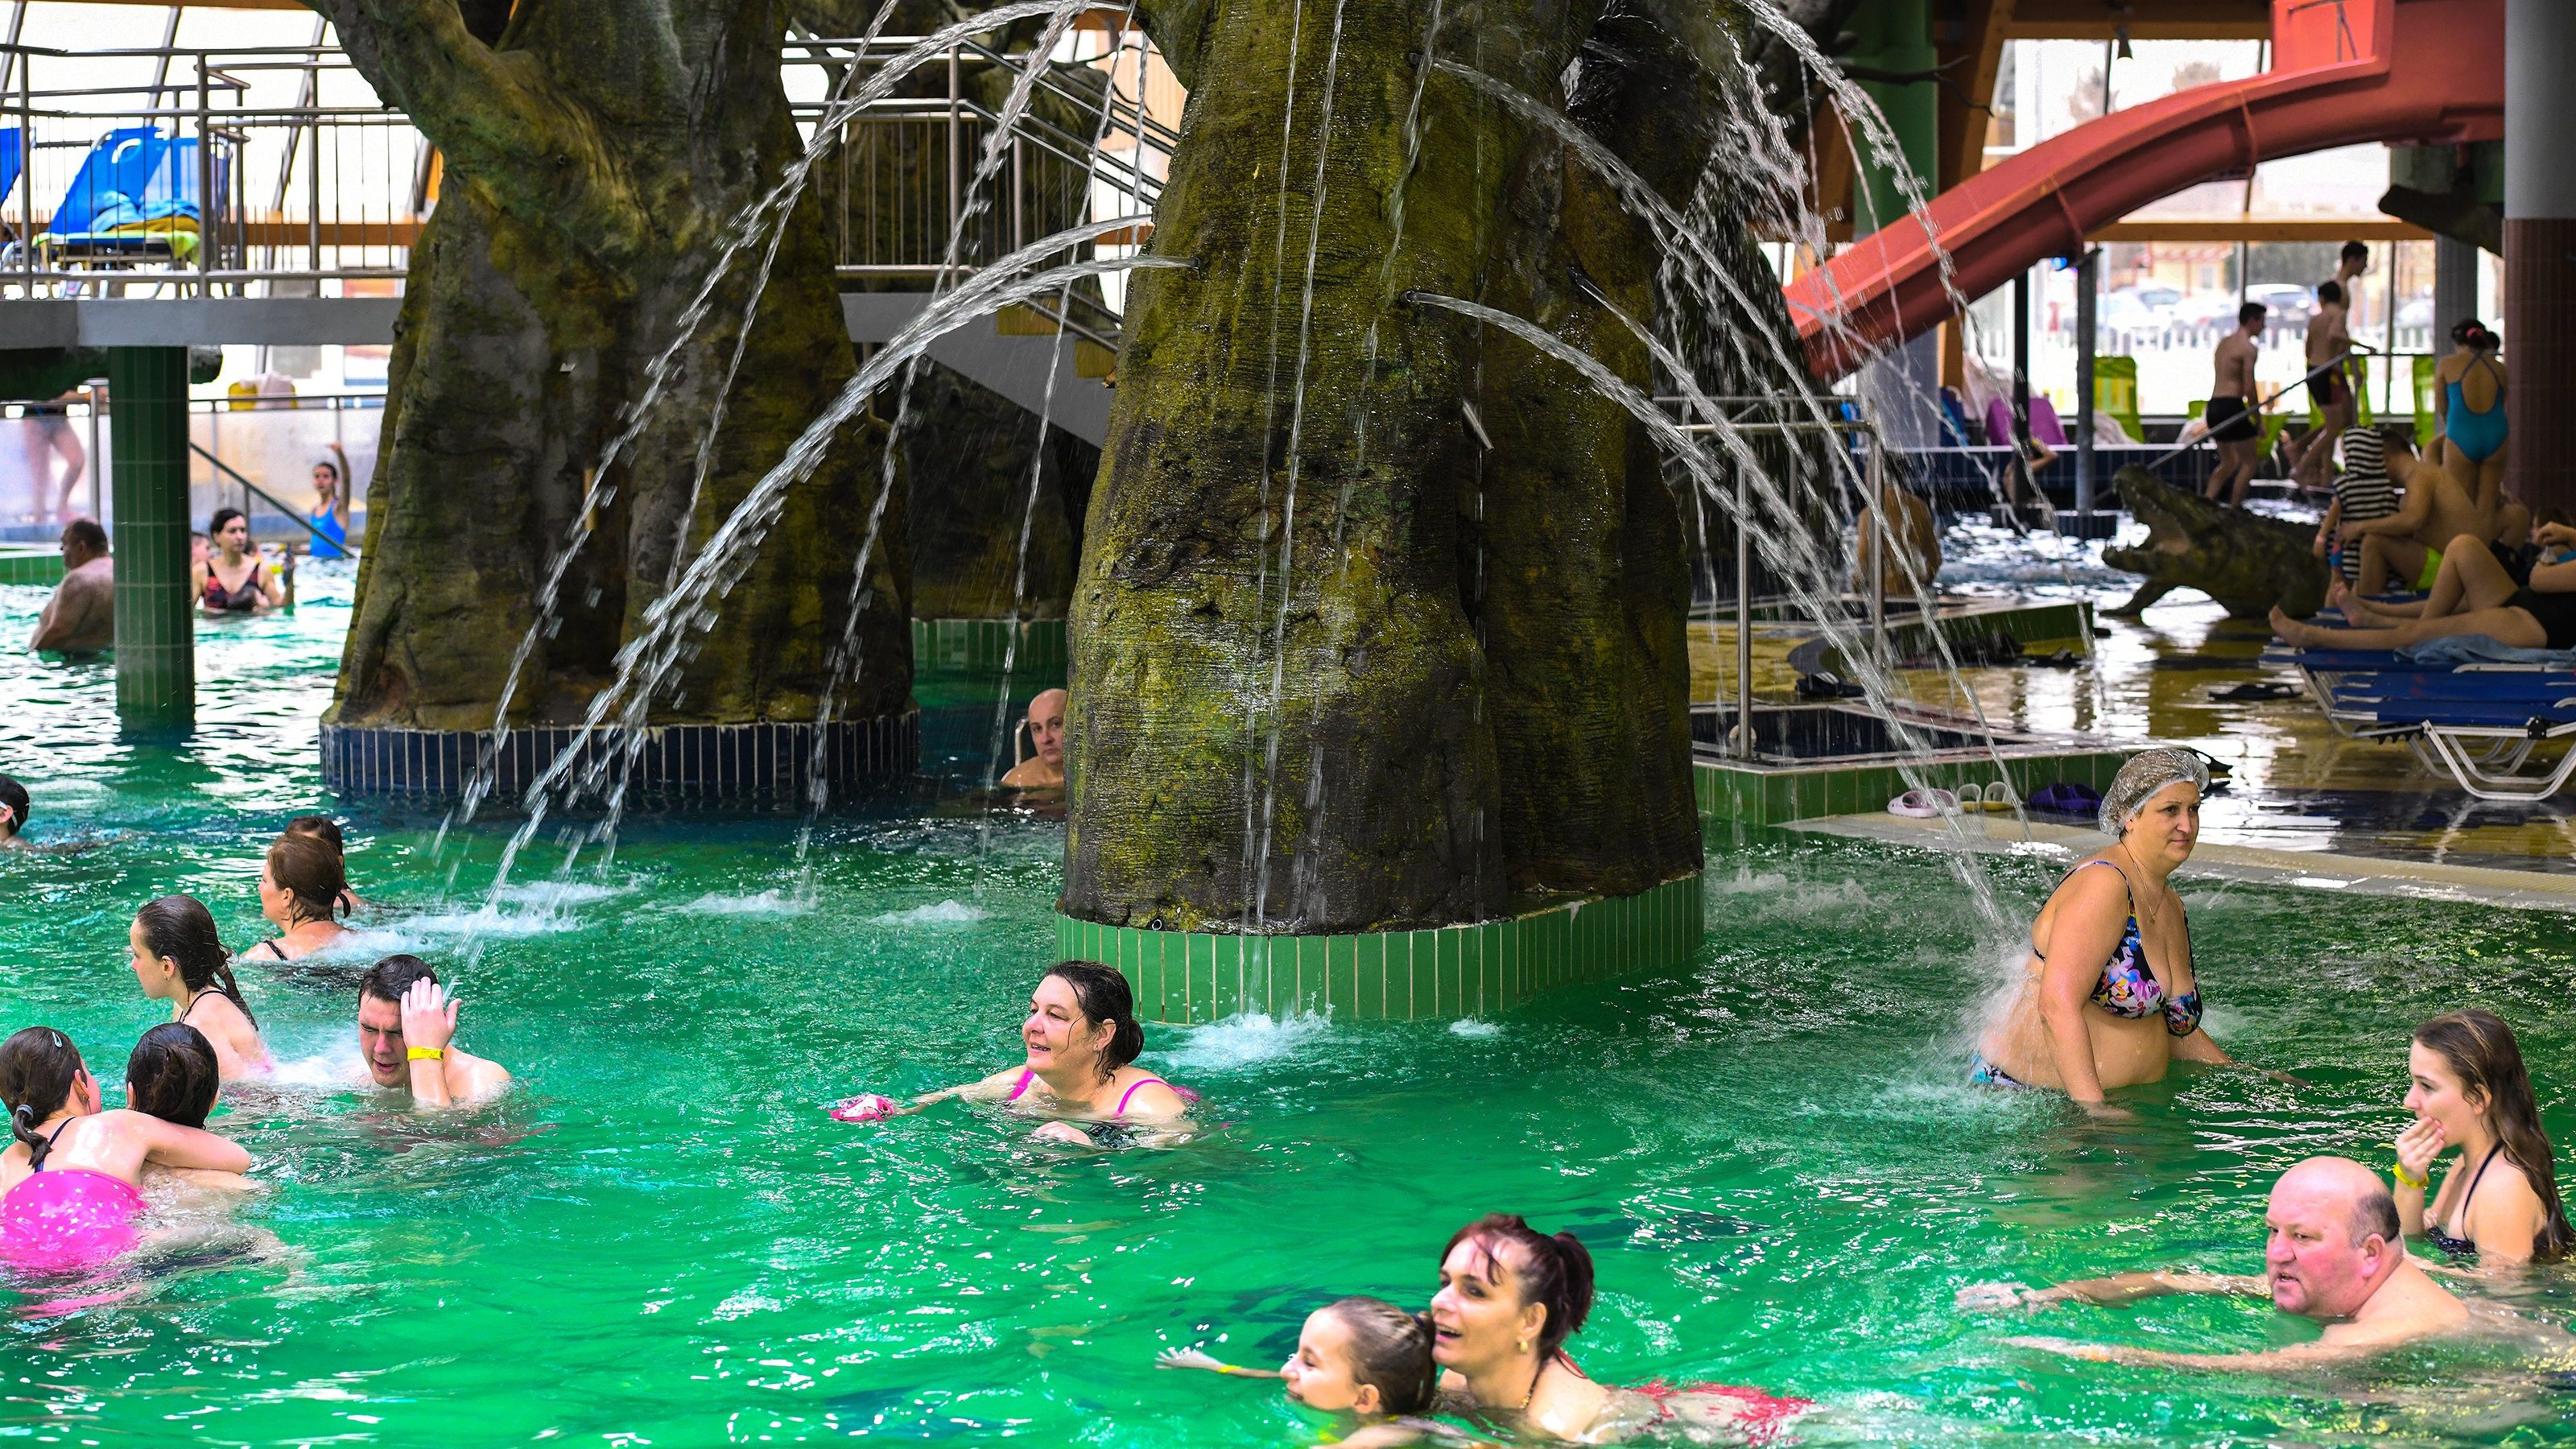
x=2319, y=1354
x=2198, y=1047
x=989, y=1089
x=2116, y=1290
x=171, y=1145
x=199, y=1177
x=2554, y=578
x=1191, y=1358
x=1157, y=1102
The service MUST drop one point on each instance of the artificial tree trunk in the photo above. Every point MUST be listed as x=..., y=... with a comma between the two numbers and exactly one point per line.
x=595, y=151
x=1278, y=715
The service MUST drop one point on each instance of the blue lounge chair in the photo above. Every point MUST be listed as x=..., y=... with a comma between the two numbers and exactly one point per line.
x=137, y=198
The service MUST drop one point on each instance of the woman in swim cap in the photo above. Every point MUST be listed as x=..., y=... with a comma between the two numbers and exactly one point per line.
x=1082, y=1040
x=2112, y=997
x=67, y=1184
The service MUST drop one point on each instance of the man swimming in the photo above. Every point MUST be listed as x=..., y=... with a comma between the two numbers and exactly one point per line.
x=1045, y=724
x=81, y=616
x=2336, y=1254
x=407, y=1031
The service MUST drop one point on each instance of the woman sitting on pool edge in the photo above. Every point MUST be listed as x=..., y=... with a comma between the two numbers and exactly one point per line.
x=1083, y=1039
x=2469, y=1090
x=2111, y=998
x=300, y=886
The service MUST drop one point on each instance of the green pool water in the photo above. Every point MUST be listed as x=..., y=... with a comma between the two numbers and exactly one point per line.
x=661, y=1239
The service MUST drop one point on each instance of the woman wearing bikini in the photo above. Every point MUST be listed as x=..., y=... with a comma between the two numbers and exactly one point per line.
x=2469, y=1091
x=2112, y=997
x=231, y=580
x=1082, y=1040
x=300, y=886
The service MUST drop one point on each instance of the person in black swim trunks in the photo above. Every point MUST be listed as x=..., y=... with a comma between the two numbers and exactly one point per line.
x=2471, y=594
x=2469, y=1089
x=2233, y=423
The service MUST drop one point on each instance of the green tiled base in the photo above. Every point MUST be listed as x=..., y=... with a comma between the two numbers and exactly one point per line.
x=979, y=643
x=1183, y=977
x=31, y=565
x=1776, y=794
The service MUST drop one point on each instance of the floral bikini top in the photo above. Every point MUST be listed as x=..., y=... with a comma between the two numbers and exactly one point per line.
x=2129, y=988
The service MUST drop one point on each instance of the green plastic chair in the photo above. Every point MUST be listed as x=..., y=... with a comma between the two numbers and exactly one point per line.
x=2115, y=391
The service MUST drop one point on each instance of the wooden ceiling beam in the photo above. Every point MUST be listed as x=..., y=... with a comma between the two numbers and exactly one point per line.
x=2145, y=19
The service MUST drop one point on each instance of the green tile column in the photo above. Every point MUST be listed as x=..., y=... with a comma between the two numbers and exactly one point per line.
x=156, y=623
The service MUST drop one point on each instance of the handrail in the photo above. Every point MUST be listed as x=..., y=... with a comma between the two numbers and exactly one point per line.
x=286, y=508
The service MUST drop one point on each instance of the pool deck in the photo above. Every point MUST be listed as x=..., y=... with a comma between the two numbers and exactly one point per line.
x=2001, y=834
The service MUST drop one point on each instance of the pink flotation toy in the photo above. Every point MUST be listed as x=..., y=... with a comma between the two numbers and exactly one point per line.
x=865, y=1107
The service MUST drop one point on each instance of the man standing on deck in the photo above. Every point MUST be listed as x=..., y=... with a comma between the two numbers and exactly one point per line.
x=407, y=1032
x=2330, y=337
x=2335, y=1254
x=81, y=616
x=2234, y=423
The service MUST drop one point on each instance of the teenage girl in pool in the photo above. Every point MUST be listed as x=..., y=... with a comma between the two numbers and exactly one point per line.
x=171, y=1074
x=2469, y=1090
x=300, y=887
x=231, y=580
x=179, y=958
x=2112, y=997
x=67, y=1184
x=330, y=515
x=327, y=830
x=1082, y=1040
x=1359, y=1356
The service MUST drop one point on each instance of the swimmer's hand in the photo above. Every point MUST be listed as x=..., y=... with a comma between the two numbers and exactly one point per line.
x=2004, y=1297
x=1064, y=1132
x=2093, y=1352
x=1191, y=1358
x=2105, y=1112
x=867, y=1107
x=2418, y=1146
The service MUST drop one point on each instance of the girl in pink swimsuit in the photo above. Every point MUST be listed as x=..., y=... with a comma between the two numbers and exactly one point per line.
x=1082, y=1039
x=68, y=1195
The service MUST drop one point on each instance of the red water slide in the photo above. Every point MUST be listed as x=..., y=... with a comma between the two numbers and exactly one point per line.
x=2343, y=72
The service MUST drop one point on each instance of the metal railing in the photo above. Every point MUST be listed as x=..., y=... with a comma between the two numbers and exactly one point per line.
x=276, y=170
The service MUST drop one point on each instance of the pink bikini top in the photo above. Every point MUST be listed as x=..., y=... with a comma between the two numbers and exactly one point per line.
x=1027, y=1076
x=68, y=1218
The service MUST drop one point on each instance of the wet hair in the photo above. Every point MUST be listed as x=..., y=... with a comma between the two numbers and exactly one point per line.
x=309, y=870
x=2470, y=332
x=1391, y=1351
x=2482, y=1053
x=172, y=1075
x=388, y=979
x=182, y=929
x=2330, y=292
x=2355, y=250
x=14, y=795
x=1104, y=998
x=37, y=1067
x=2375, y=1212
x=1555, y=1272
x=86, y=533
x=320, y=827
x=223, y=516
x=2252, y=312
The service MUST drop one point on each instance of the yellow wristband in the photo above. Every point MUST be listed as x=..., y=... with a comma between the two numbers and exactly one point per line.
x=2399, y=1170
x=427, y=1054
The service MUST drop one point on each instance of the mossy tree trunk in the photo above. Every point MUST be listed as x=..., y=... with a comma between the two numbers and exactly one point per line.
x=1279, y=703
x=595, y=151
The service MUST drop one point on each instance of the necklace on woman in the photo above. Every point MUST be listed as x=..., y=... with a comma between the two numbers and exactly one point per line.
x=2149, y=910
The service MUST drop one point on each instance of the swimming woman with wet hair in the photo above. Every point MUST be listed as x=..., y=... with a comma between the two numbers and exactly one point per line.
x=67, y=1183
x=179, y=958
x=2112, y=996
x=1510, y=1296
x=327, y=830
x=1082, y=1040
x=2469, y=1090
x=300, y=885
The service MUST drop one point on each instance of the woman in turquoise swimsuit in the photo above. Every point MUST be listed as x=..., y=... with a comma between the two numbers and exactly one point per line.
x=2111, y=997
x=2471, y=401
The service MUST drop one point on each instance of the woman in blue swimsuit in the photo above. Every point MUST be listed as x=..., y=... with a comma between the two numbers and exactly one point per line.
x=2469, y=1090
x=2111, y=997
x=2473, y=451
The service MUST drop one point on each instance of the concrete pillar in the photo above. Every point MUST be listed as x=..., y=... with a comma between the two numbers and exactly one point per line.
x=156, y=622
x=1896, y=36
x=2540, y=251
x=2455, y=288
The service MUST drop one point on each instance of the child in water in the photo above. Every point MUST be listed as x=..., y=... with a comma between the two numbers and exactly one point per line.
x=1359, y=1356
x=172, y=1075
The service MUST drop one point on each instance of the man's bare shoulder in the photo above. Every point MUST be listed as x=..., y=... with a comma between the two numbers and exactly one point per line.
x=471, y=1078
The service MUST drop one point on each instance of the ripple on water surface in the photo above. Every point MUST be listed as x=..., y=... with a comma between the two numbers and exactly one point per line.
x=660, y=1237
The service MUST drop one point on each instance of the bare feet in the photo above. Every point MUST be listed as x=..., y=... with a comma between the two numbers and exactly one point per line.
x=2291, y=629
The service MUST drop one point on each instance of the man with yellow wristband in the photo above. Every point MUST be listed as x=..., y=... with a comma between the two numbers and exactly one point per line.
x=407, y=1032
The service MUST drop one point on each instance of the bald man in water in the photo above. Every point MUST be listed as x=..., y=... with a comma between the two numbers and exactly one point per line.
x=1045, y=769
x=2336, y=1255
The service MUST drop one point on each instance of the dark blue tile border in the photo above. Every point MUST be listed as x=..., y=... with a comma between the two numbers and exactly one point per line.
x=708, y=763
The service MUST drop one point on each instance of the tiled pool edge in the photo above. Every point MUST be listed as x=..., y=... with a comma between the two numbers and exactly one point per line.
x=1774, y=794
x=1453, y=972
x=713, y=763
